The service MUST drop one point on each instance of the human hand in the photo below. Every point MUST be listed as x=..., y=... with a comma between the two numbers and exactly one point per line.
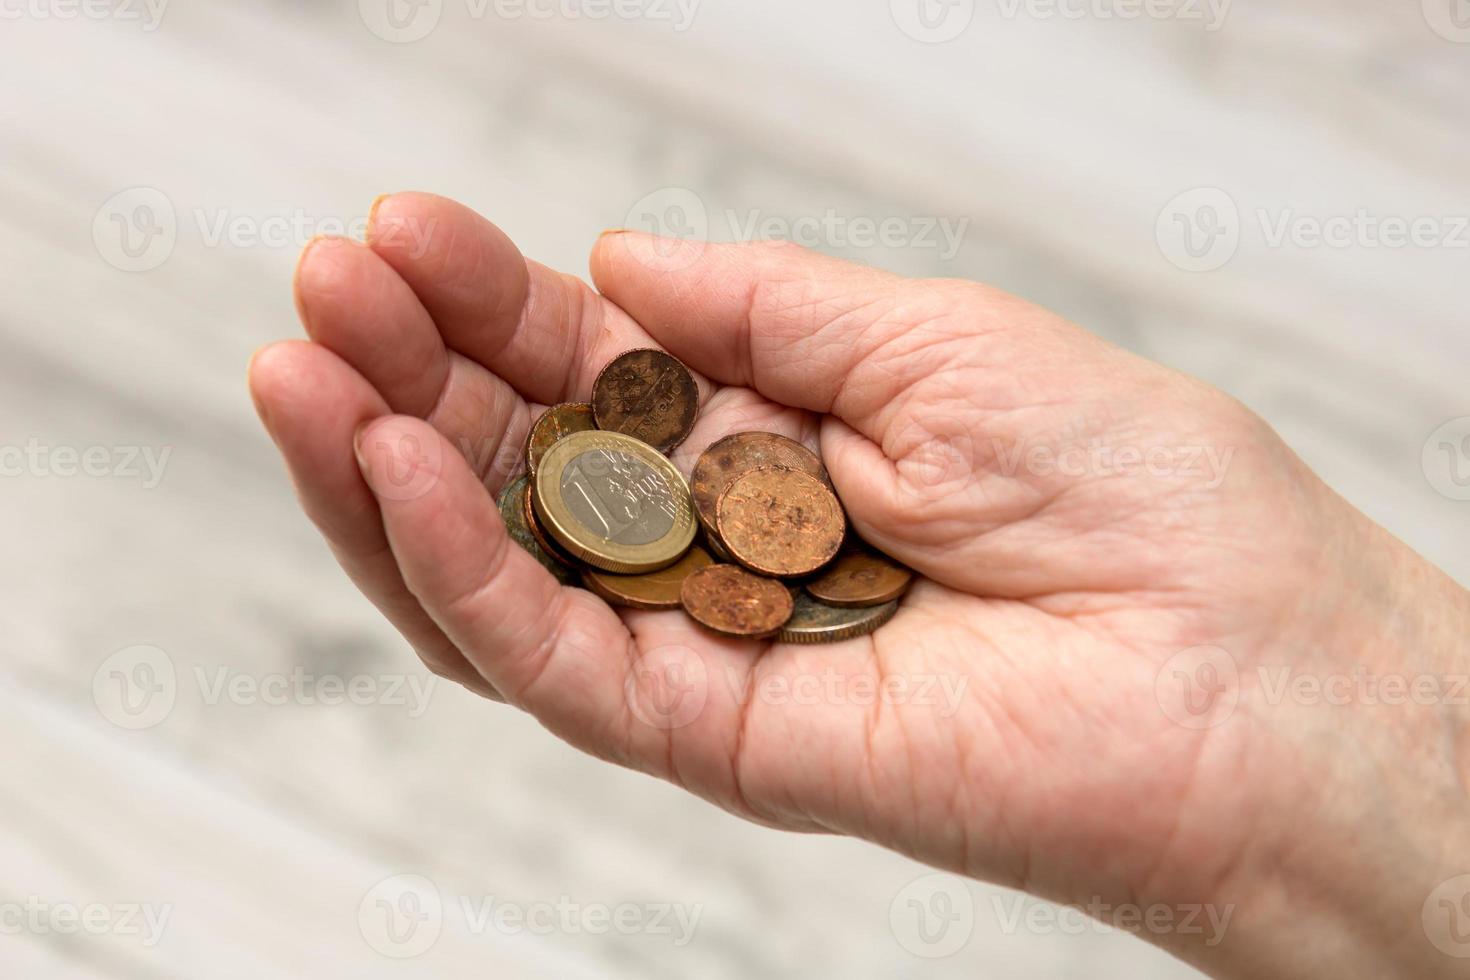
x=1036, y=731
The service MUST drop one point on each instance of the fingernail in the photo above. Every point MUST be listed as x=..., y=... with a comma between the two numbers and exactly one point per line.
x=357, y=440
x=296, y=273
x=372, y=219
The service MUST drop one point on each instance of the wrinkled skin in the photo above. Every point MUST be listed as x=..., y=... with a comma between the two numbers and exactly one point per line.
x=1039, y=742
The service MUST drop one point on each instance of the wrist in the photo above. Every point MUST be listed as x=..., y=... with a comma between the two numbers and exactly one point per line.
x=1363, y=710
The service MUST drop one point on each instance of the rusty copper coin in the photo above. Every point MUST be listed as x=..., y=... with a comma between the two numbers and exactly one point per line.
x=654, y=590
x=860, y=578
x=648, y=395
x=555, y=424
x=733, y=602
x=729, y=458
x=533, y=524
x=780, y=522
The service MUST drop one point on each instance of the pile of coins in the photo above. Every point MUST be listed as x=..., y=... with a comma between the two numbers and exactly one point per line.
x=755, y=545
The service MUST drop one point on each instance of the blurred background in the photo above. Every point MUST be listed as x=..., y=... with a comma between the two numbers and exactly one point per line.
x=220, y=763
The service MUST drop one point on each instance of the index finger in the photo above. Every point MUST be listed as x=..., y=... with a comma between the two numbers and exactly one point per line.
x=547, y=333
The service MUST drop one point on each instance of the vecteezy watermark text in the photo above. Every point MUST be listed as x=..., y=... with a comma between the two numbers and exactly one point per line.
x=1201, y=229
x=38, y=917
x=38, y=460
x=1210, y=13
x=668, y=687
x=407, y=21
x=138, y=687
x=681, y=216
x=1207, y=463
x=1201, y=687
x=148, y=13
x=935, y=915
x=1020, y=913
x=403, y=917
x=138, y=229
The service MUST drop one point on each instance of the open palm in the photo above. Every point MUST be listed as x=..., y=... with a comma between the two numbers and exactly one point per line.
x=1008, y=723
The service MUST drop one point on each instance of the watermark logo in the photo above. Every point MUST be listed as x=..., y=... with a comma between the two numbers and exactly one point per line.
x=1450, y=19
x=136, y=687
x=147, y=13
x=679, y=222
x=934, y=916
x=401, y=21
x=932, y=21
x=401, y=917
x=934, y=457
x=1199, y=230
x=136, y=230
x=667, y=687
x=402, y=467
x=1446, y=459
x=1198, y=688
x=1446, y=917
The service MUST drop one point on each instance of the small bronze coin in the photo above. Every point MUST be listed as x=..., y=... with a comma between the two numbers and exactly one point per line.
x=815, y=622
x=780, y=522
x=513, y=512
x=860, y=578
x=655, y=590
x=555, y=424
x=547, y=542
x=648, y=395
x=733, y=602
x=727, y=459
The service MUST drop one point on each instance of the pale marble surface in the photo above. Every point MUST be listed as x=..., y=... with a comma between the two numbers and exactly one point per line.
x=263, y=827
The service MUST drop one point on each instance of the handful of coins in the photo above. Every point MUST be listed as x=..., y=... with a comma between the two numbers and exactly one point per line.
x=602, y=506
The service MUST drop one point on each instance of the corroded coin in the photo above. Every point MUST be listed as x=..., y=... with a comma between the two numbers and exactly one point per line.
x=860, y=578
x=614, y=502
x=653, y=590
x=733, y=602
x=815, y=622
x=780, y=522
x=533, y=524
x=513, y=512
x=554, y=424
x=648, y=395
x=727, y=459
x=716, y=546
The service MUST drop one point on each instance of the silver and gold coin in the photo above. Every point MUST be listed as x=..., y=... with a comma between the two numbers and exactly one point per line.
x=816, y=622
x=614, y=502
